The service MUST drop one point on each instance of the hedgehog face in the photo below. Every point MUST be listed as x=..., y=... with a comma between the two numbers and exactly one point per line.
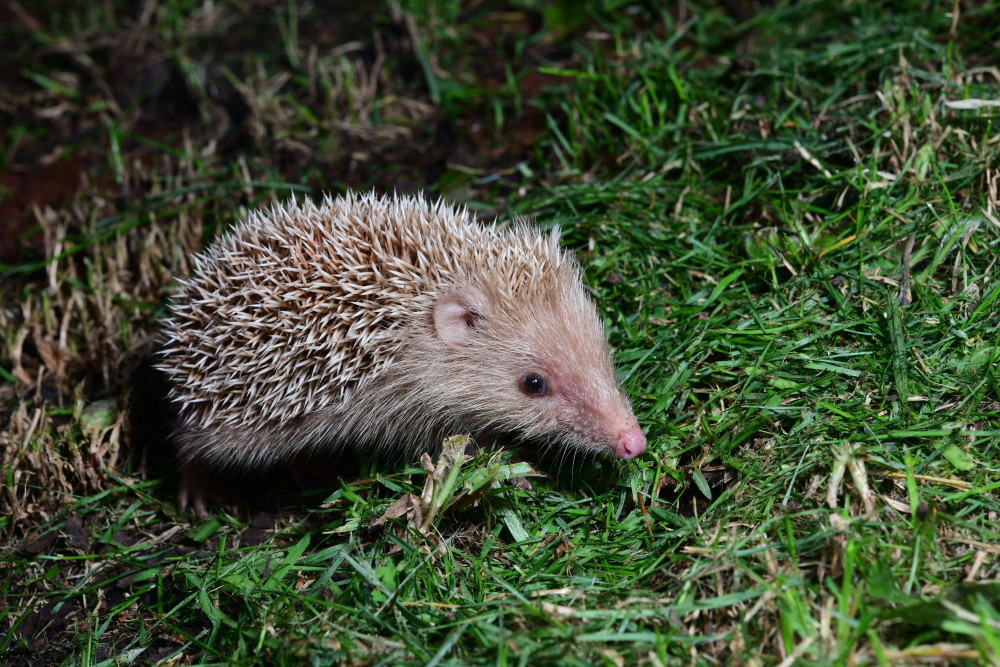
x=536, y=367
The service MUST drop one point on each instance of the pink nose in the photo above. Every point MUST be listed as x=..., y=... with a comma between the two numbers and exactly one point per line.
x=631, y=443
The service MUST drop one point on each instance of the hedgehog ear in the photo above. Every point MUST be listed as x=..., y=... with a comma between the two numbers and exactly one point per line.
x=456, y=313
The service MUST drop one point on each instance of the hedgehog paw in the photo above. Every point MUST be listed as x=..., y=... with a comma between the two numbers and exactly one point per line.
x=522, y=483
x=199, y=491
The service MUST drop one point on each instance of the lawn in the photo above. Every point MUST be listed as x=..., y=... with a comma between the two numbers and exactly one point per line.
x=787, y=214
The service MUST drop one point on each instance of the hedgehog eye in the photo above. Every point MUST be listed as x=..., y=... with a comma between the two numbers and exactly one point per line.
x=533, y=384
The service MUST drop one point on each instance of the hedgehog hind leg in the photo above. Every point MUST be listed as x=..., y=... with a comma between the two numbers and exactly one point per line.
x=199, y=491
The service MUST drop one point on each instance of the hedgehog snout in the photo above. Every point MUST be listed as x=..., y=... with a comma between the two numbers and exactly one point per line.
x=630, y=442
x=607, y=423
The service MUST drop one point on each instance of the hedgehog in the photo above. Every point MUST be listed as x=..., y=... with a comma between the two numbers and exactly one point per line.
x=382, y=322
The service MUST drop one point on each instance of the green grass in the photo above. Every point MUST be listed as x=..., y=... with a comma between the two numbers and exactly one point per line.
x=789, y=222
